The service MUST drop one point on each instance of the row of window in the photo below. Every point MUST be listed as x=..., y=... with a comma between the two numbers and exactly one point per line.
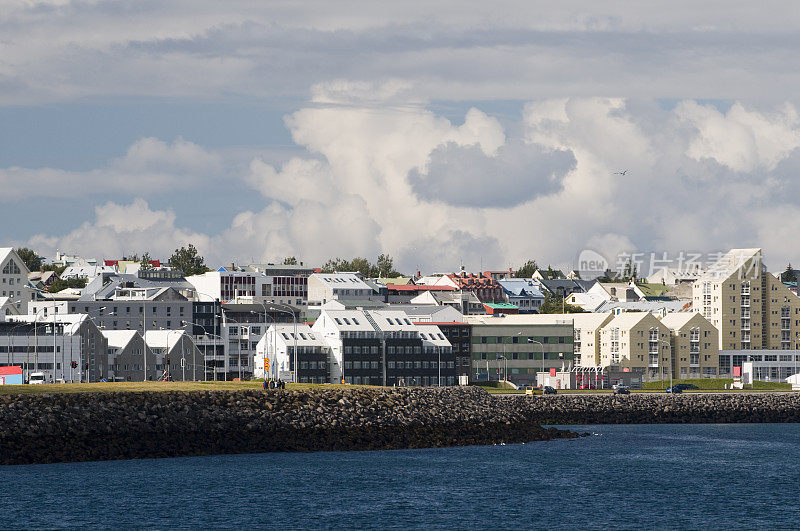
x=399, y=380
x=517, y=339
x=517, y=356
x=394, y=365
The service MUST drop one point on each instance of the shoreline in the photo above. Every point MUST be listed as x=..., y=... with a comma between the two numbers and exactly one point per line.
x=50, y=428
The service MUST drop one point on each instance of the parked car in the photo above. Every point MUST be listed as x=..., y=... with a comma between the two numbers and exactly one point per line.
x=675, y=389
x=549, y=390
x=36, y=378
x=622, y=390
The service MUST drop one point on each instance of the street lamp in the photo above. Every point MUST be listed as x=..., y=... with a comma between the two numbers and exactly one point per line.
x=294, y=320
x=205, y=332
x=167, y=371
x=214, y=302
x=541, y=346
x=264, y=365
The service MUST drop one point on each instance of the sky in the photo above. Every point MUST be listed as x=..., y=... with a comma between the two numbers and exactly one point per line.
x=461, y=133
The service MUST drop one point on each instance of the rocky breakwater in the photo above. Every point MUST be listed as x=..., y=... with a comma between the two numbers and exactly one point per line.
x=45, y=428
x=657, y=408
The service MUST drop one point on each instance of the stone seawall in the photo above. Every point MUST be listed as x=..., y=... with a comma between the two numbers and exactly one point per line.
x=657, y=408
x=46, y=428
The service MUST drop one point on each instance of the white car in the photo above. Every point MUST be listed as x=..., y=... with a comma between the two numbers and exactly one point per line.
x=36, y=378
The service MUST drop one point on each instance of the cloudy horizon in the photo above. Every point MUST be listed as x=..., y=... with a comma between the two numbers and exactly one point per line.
x=481, y=136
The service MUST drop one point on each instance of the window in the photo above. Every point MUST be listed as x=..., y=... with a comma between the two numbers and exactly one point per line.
x=11, y=268
x=483, y=339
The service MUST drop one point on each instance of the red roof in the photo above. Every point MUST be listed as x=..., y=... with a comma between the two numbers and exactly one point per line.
x=11, y=369
x=418, y=287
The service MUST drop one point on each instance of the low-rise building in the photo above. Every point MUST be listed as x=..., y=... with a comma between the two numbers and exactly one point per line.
x=516, y=347
x=128, y=356
x=524, y=293
x=278, y=346
x=383, y=347
x=176, y=356
x=52, y=345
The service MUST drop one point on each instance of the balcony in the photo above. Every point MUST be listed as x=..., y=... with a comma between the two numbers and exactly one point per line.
x=652, y=361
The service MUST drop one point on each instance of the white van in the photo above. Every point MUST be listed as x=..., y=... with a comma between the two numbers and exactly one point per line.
x=36, y=378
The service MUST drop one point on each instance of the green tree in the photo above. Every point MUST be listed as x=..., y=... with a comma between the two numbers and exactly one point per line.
x=144, y=263
x=56, y=269
x=788, y=275
x=188, y=260
x=62, y=284
x=555, y=304
x=335, y=264
x=385, y=267
x=527, y=270
x=291, y=260
x=30, y=258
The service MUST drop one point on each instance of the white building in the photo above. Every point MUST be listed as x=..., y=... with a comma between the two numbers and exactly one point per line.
x=278, y=346
x=83, y=269
x=324, y=287
x=251, y=287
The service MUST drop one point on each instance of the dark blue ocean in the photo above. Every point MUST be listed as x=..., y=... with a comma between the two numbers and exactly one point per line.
x=652, y=477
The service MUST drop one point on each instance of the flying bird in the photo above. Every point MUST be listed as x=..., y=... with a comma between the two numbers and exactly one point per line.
x=623, y=172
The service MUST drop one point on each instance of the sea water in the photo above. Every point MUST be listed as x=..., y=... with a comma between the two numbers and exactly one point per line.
x=623, y=476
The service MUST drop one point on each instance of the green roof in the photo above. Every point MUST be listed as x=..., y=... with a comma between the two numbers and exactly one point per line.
x=396, y=281
x=501, y=306
x=653, y=290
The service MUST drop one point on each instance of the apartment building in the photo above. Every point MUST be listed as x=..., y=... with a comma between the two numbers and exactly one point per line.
x=750, y=307
x=586, y=336
x=516, y=347
x=695, y=345
x=636, y=342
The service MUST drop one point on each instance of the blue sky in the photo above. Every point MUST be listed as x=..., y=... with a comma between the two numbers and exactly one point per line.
x=474, y=133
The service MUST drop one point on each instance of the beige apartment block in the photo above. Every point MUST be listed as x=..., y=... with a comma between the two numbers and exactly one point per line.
x=637, y=342
x=750, y=307
x=695, y=345
x=586, y=342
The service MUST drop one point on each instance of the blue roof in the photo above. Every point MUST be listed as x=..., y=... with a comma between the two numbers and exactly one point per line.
x=521, y=287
